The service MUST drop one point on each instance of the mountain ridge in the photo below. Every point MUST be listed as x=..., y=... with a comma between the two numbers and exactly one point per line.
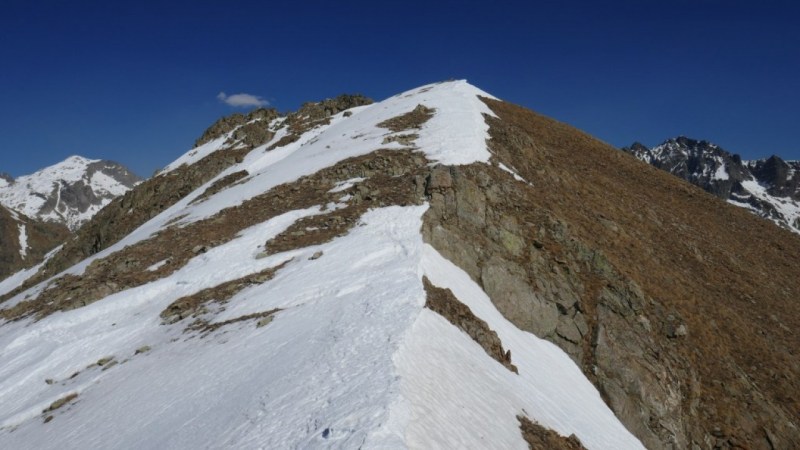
x=769, y=187
x=331, y=226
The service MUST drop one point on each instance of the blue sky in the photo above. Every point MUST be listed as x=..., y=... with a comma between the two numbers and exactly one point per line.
x=137, y=82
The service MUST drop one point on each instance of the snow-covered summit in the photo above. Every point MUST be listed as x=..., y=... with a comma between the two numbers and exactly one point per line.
x=285, y=304
x=69, y=192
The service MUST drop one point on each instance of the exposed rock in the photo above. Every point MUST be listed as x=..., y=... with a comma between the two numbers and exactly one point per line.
x=390, y=178
x=221, y=184
x=508, y=285
x=408, y=121
x=677, y=341
x=444, y=303
x=541, y=438
x=256, y=121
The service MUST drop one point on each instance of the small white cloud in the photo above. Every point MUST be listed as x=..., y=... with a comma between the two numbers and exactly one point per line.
x=242, y=100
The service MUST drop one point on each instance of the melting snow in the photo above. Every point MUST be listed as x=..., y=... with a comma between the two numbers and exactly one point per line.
x=351, y=360
x=23, y=240
x=460, y=396
x=158, y=265
x=513, y=173
x=347, y=184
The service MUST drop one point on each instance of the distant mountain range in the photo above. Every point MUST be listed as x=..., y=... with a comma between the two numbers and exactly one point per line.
x=69, y=192
x=768, y=187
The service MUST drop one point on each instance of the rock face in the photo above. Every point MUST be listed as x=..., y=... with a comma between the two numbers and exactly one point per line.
x=70, y=192
x=768, y=187
x=25, y=241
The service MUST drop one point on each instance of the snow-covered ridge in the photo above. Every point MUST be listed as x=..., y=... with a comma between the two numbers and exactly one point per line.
x=346, y=360
x=69, y=192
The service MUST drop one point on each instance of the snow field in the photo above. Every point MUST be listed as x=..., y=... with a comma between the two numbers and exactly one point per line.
x=460, y=396
x=351, y=360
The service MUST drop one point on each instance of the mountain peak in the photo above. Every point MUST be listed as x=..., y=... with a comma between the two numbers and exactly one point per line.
x=68, y=192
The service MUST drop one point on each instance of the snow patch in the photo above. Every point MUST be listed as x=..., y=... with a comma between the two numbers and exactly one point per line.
x=347, y=184
x=513, y=173
x=786, y=207
x=721, y=173
x=158, y=265
x=23, y=240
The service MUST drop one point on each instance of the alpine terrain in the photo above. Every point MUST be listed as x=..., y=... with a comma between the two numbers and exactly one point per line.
x=24, y=242
x=69, y=192
x=441, y=269
x=768, y=187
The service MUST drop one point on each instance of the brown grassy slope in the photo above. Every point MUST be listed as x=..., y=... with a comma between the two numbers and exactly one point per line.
x=732, y=276
x=42, y=237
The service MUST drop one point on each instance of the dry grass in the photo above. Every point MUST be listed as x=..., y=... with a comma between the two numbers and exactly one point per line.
x=408, y=121
x=731, y=276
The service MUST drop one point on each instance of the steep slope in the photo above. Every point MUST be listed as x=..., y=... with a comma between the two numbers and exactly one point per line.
x=382, y=276
x=691, y=320
x=768, y=187
x=69, y=192
x=303, y=286
x=24, y=241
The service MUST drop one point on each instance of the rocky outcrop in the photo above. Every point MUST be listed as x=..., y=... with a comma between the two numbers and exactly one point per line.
x=445, y=303
x=541, y=438
x=315, y=114
x=782, y=178
x=253, y=123
x=152, y=196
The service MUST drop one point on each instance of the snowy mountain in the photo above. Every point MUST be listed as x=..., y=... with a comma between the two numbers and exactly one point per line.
x=440, y=269
x=69, y=192
x=768, y=187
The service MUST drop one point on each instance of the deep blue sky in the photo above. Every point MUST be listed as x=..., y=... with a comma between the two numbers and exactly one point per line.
x=137, y=82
